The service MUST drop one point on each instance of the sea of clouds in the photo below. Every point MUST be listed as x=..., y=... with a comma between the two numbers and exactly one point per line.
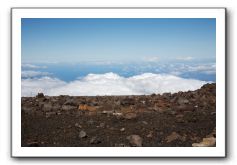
x=109, y=84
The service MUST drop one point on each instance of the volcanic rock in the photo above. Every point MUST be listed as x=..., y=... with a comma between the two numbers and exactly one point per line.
x=163, y=120
x=173, y=136
x=71, y=102
x=40, y=95
x=206, y=142
x=47, y=107
x=68, y=107
x=130, y=116
x=127, y=101
x=95, y=140
x=135, y=140
x=182, y=101
x=78, y=125
x=82, y=134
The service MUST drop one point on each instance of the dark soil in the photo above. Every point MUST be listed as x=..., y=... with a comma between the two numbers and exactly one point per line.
x=168, y=120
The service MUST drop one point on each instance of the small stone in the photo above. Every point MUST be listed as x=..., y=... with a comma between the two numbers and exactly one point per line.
x=213, y=113
x=47, y=107
x=33, y=144
x=173, y=136
x=68, y=107
x=120, y=145
x=107, y=112
x=180, y=120
x=58, y=113
x=27, y=109
x=179, y=116
x=143, y=102
x=130, y=116
x=182, y=101
x=167, y=95
x=128, y=101
x=117, y=114
x=82, y=134
x=172, y=112
x=56, y=107
x=95, y=140
x=48, y=114
x=102, y=125
x=122, y=129
x=71, y=102
x=135, y=140
x=150, y=134
x=118, y=103
x=206, y=142
x=90, y=122
x=78, y=125
x=144, y=122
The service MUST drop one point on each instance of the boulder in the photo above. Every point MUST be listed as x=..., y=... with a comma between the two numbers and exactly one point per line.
x=40, y=95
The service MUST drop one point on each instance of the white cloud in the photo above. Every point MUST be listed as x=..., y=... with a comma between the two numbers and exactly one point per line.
x=187, y=58
x=207, y=69
x=31, y=74
x=30, y=87
x=110, y=84
x=152, y=59
x=31, y=66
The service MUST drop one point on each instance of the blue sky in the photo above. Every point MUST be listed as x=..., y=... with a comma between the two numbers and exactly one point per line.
x=117, y=40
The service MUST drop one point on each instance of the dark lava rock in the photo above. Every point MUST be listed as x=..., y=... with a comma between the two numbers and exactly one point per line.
x=68, y=107
x=82, y=134
x=127, y=101
x=40, y=95
x=71, y=102
x=95, y=140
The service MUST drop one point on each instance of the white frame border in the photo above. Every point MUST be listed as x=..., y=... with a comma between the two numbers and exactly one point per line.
x=218, y=151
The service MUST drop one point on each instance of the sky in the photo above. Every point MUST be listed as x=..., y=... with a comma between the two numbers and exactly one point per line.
x=117, y=39
x=125, y=56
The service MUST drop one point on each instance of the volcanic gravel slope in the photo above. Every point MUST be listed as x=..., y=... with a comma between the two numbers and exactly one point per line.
x=182, y=119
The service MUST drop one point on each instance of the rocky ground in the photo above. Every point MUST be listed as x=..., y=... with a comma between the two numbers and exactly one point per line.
x=169, y=120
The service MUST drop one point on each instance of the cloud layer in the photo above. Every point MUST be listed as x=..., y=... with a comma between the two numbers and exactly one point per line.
x=31, y=66
x=109, y=84
x=31, y=74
